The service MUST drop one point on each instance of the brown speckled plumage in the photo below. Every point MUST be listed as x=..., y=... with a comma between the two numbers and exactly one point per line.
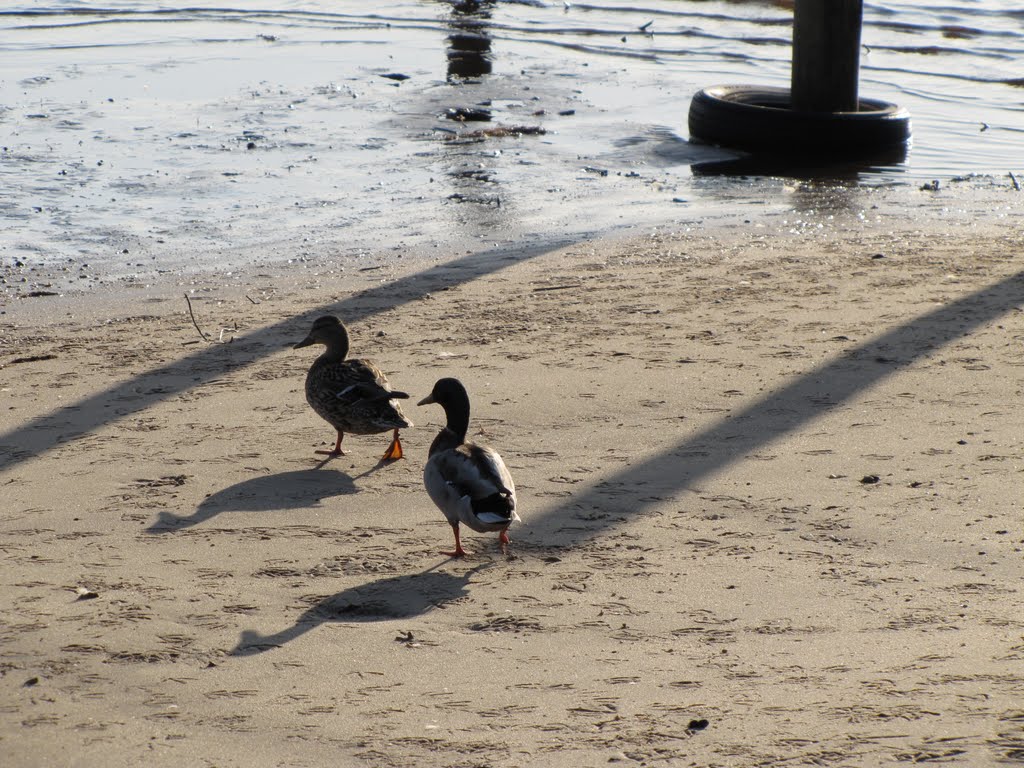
x=350, y=395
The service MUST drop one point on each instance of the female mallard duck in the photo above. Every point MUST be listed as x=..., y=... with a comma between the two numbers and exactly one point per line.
x=351, y=395
x=468, y=482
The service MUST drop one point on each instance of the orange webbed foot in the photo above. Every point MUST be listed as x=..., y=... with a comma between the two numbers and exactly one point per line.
x=336, y=451
x=459, y=551
x=394, y=451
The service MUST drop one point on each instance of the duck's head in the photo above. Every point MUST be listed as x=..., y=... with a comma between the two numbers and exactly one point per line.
x=327, y=330
x=447, y=393
x=452, y=396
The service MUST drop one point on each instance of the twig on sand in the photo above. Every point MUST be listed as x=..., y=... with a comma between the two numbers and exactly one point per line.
x=193, y=316
x=1013, y=179
x=30, y=359
x=556, y=287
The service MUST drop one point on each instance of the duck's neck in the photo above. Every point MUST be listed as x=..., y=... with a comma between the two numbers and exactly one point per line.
x=457, y=413
x=454, y=433
x=445, y=441
x=337, y=347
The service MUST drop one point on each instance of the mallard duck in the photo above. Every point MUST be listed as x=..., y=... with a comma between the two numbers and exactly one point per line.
x=351, y=395
x=468, y=482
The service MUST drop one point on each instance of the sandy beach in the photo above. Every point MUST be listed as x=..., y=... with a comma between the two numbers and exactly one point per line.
x=770, y=486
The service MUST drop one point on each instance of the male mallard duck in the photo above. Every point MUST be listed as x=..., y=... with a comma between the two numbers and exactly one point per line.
x=468, y=482
x=351, y=395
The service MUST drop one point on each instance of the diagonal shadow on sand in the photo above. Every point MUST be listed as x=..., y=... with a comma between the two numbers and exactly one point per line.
x=635, y=489
x=300, y=489
x=396, y=597
x=193, y=371
x=785, y=410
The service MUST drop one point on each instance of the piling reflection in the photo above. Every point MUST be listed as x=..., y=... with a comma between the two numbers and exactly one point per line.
x=469, y=44
x=809, y=167
x=476, y=201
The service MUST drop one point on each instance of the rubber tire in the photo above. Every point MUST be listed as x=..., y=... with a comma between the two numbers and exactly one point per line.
x=757, y=118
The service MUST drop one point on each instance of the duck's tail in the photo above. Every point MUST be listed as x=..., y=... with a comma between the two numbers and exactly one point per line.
x=499, y=507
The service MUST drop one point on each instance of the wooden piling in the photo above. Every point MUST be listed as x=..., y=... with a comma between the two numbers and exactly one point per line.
x=826, y=55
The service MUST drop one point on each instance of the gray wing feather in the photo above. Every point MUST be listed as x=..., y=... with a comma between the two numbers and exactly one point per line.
x=456, y=477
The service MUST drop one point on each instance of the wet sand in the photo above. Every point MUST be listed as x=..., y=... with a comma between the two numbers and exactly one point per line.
x=770, y=486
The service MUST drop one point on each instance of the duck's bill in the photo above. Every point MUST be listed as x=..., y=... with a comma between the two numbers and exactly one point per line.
x=427, y=400
x=304, y=343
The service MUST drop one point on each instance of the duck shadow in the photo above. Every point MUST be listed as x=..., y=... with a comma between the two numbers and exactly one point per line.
x=396, y=597
x=300, y=489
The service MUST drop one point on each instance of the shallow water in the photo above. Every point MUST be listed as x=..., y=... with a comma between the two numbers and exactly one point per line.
x=137, y=140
